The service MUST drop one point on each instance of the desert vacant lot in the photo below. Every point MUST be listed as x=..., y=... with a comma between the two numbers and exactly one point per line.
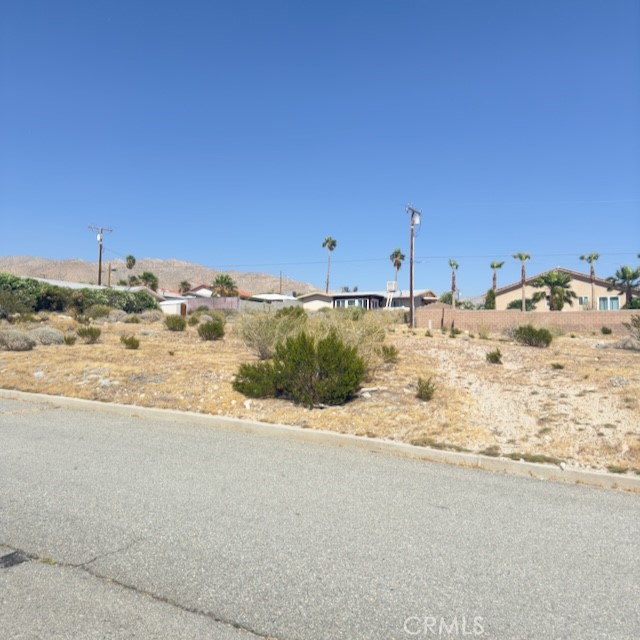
x=574, y=401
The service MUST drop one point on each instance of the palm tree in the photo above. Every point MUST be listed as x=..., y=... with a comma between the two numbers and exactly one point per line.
x=224, y=286
x=523, y=257
x=591, y=258
x=149, y=280
x=625, y=280
x=184, y=286
x=559, y=289
x=330, y=244
x=495, y=265
x=130, y=261
x=454, y=265
x=396, y=258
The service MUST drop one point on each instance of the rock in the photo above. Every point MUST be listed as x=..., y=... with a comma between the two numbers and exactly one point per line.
x=562, y=465
x=38, y=374
x=247, y=404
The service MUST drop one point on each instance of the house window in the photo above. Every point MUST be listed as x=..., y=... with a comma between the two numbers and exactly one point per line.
x=583, y=301
x=608, y=304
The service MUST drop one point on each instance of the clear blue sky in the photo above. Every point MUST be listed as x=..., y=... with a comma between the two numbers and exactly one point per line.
x=239, y=133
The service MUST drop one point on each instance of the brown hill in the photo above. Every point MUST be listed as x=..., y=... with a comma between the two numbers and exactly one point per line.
x=169, y=272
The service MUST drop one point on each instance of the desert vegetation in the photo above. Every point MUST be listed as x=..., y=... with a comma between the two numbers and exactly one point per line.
x=576, y=400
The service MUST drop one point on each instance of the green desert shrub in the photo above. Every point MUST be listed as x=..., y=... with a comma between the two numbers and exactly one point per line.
x=212, y=330
x=426, y=389
x=132, y=319
x=389, y=353
x=257, y=380
x=193, y=320
x=306, y=370
x=89, y=334
x=11, y=303
x=606, y=331
x=14, y=340
x=532, y=337
x=494, y=357
x=175, y=323
x=130, y=342
x=70, y=339
x=44, y=335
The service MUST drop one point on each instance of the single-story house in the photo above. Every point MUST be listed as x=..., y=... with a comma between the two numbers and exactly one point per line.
x=365, y=299
x=590, y=295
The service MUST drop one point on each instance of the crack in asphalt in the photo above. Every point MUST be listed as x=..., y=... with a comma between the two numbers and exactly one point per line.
x=84, y=566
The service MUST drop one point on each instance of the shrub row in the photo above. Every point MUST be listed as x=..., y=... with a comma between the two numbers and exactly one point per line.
x=21, y=295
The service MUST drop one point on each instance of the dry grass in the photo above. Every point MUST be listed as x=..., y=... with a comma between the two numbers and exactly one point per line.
x=586, y=414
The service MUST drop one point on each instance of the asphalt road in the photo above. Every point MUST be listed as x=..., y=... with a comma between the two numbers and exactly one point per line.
x=158, y=527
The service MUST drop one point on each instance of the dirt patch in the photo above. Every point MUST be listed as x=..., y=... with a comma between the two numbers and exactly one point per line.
x=573, y=401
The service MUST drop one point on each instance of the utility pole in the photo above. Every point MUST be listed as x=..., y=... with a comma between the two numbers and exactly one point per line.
x=100, y=231
x=415, y=219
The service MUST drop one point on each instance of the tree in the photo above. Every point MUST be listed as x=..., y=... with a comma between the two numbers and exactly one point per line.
x=490, y=299
x=224, y=286
x=454, y=266
x=134, y=281
x=445, y=298
x=330, y=244
x=184, y=286
x=591, y=258
x=559, y=286
x=130, y=261
x=149, y=280
x=495, y=265
x=523, y=257
x=625, y=280
x=397, y=257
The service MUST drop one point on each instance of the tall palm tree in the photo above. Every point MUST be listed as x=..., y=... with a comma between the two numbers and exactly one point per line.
x=591, y=258
x=224, y=286
x=624, y=281
x=523, y=257
x=454, y=266
x=396, y=258
x=330, y=244
x=559, y=286
x=130, y=261
x=495, y=265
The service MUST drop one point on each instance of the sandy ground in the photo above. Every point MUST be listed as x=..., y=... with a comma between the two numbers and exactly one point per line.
x=574, y=401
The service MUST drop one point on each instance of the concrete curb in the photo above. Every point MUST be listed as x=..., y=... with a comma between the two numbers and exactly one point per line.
x=470, y=460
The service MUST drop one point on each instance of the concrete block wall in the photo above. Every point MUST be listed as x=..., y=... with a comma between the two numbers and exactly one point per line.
x=586, y=322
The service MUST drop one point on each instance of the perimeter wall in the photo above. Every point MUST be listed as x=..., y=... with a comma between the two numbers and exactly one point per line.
x=440, y=317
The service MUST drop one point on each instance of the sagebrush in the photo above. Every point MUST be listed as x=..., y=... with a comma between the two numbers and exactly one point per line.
x=532, y=337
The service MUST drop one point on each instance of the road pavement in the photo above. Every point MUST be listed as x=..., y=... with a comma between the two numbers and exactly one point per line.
x=157, y=526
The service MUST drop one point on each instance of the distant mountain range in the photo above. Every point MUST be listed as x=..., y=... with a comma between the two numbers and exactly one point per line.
x=170, y=273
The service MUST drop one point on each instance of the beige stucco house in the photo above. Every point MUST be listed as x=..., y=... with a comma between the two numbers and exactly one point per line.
x=590, y=295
